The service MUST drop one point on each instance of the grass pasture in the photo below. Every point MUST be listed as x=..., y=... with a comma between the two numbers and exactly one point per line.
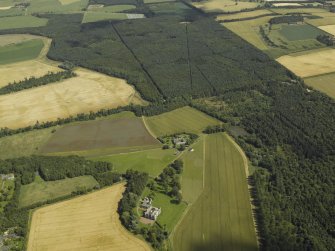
x=26, y=50
x=192, y=176
x=88, y=222
x=300, y=32
x=40, y=190
x=56, y=6
x=21, y=22
x=184, y=119
x=310, y=63
x=89, y=91
x=224, y=5
x=151, y=161
x=324, y=83
x=24, y=144
x=221, y=218
x=101, y=134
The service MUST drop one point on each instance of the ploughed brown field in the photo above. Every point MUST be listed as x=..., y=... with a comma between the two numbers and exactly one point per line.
x=116, y=133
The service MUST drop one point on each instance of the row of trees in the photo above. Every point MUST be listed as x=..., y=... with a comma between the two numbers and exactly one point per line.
x=32, y=82
x=286, y=19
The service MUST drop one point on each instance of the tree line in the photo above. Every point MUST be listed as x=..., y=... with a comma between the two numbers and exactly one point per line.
x=32, y=82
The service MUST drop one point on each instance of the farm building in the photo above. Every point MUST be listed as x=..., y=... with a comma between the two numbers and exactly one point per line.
x=152, y=213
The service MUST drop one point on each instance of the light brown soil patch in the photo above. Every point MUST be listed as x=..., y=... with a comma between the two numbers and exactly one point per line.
x=89, y=222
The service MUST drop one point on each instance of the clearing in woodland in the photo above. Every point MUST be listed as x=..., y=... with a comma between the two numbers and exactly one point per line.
x=184, y=119
x=89, y=222
x=40, y=190
x=221, y=218
x=310, y=63
x=89, y=91
x=104, y=136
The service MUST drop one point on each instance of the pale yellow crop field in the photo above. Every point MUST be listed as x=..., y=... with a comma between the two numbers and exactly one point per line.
x=15, y=38
x=65, y=2
x=311, y=63
x=328, y=28
x=26, y=69
x=224, y=5
x=89, y=91
x=89, y=222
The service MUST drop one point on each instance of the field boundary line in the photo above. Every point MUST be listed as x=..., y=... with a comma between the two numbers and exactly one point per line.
x=148, y=128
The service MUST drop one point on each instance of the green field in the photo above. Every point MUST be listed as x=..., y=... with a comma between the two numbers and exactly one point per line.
x=24, y=144
x=300, y=32
x=21, y=22
x=171, y=212
x=192, y=176
x=324, y=83
x=94, y=16
x=184, y=119
x=21, y=51
x=149, y=161
x=221, y=218
x=55, y=6
x=40, y=190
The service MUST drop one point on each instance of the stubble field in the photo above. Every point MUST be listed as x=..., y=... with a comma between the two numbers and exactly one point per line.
x=311, y=63
x=221, y=218
x=328, y=28
x=89, y=91
x=89, y=222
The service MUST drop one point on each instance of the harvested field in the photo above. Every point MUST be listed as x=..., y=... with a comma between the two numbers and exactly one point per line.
x=106, y=133
x=310, y=63
x=328, y=28
x=27, y=69
x=89, y=91
x=65, y=2
x=184, y=119
x=221, y=218
x=40, y=190
x=324, y=83
x=224, y=5
x=89, y=222
x=113, y=8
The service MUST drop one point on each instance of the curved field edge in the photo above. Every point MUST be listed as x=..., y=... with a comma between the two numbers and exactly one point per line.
x=221, y=217
x=100, y=226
